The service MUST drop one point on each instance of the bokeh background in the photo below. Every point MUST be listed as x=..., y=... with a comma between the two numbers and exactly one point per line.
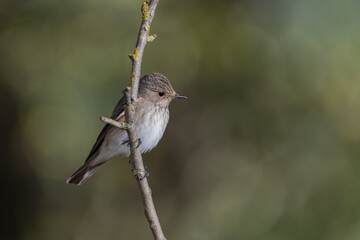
x=266, y=147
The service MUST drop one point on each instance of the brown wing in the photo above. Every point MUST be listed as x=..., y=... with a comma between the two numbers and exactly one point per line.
x=115, y=116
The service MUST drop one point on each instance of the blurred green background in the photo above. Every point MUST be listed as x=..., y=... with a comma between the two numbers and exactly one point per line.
x=266, y=147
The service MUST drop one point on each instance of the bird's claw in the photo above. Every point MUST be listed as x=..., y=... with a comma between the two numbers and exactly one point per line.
x=139, y=143
x=140, y=174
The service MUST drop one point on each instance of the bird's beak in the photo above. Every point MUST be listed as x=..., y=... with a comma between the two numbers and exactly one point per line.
x=180, y=96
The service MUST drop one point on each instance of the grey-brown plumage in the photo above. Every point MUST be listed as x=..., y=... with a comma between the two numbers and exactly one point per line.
x=151, y=116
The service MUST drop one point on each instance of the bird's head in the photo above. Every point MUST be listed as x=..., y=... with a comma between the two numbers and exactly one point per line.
x=156, y=88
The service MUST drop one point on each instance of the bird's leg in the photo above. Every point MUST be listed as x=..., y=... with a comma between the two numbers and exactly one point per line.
x=128, y=143
x=139, y=143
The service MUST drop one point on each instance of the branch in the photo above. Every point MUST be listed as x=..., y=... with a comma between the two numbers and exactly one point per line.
x=121, y=125
x=131, y=93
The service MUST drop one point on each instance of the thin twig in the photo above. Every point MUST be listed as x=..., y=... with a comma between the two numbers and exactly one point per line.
x=117, y=124
x=148, y=12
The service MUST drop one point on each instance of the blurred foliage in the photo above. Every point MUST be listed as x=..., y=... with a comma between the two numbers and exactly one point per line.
x=266, y=146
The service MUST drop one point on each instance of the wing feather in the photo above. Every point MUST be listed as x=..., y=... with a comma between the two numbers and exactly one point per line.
x=116, y=115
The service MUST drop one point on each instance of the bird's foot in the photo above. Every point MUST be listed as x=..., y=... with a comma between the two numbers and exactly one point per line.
x=128, y=143
x=138, y=143
x=140, y=174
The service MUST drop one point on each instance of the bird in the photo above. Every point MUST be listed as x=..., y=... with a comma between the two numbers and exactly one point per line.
x=151, y=117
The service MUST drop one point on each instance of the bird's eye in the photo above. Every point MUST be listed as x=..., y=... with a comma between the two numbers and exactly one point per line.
x=161, y=94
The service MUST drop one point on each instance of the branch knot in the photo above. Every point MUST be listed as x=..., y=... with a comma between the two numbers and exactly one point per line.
x=135, y=55
x=151, y=38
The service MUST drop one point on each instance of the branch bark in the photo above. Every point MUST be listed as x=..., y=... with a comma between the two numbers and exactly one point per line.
x=131, y=93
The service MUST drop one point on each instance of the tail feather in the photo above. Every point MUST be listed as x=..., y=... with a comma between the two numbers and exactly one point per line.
x=83, y=173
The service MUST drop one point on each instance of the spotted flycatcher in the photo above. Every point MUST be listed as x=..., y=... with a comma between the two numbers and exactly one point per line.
x=151, y=117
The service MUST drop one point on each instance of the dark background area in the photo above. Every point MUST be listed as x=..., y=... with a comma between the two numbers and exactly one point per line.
x=266, y=146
